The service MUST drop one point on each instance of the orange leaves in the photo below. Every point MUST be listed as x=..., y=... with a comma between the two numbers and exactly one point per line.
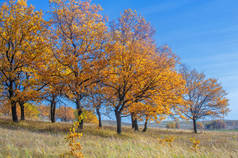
x=75, y=55
x=22, y=3
x=80, y=33
x=65, y=113
x=140, y=79
x=72, y=139
x=31, y=111
x=23, y=42
x=204, y=97
x=44, y=111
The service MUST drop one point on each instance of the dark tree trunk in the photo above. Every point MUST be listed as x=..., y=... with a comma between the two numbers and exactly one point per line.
x=118, y=118
x=52, y=109
x=195, y=125
x=13, y=103
x=132, y=121
x=99, y=117
x=136, y=125
x=22, y=110
x=80, y=112
x=14, y=111
x=145, y=125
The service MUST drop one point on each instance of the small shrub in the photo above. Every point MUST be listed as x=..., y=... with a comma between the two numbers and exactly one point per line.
x=167, y=139
x=72, y=139
x=195, y=144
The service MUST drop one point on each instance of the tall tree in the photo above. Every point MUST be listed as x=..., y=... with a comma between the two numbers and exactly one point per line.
x=205, y=97
x=131, y=52
x=137, y=70
x=22, y=43
x=80, y=35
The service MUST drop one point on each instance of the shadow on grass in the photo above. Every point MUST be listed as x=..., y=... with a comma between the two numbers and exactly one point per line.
x=62, y=128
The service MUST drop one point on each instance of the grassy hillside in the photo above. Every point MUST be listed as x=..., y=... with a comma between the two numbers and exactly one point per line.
x=41, y=139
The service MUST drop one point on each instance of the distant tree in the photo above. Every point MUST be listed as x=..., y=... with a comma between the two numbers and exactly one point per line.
x=5, y=108
x=65, y=113
x=44, y=111
x=200, y=125
x=177, y=124
x=216, y=124
x=204, y=98
x=171, y=125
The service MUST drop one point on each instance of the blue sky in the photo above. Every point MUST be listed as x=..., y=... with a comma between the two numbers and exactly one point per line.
x=203, y=33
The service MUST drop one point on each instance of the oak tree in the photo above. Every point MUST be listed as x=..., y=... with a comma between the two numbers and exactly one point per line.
x=80, y=35
x=205, y=97
x=137, y=71
x=22, y=43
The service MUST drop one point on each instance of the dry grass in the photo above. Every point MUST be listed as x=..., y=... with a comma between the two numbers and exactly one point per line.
x=41, y=139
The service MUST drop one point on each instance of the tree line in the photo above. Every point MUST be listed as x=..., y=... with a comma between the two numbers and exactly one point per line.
x=77, y=54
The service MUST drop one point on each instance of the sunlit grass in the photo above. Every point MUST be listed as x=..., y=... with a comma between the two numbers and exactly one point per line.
x=41, y=139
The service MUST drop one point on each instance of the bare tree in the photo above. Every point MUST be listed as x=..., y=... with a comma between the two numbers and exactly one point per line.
x=204, y=97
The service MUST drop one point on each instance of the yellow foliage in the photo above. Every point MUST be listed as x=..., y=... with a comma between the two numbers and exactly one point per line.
x=88, y=117
x=30, y=110
x=72, y=139
x=22, y=3
x=204, y=96
x=195, y=144
x=167, y=139
x=78, y=46
x=23, y=44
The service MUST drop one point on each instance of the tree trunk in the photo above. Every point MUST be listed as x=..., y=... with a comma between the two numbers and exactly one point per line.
x=22, y=110
x=80, y=111
x=195, y=125
x=136, y=125
x=145, y=125
x=14, y=111
x=118, y=118
x=99, y=117
x=132, y=121
x=13, y=103
x=52, y=110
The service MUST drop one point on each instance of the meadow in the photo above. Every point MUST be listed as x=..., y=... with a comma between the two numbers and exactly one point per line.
x=43, y=139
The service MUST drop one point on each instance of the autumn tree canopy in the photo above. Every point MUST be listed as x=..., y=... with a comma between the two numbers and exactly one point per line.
x=77, y=56
x=80, y=35
x=22, y=43
x=137, y=71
